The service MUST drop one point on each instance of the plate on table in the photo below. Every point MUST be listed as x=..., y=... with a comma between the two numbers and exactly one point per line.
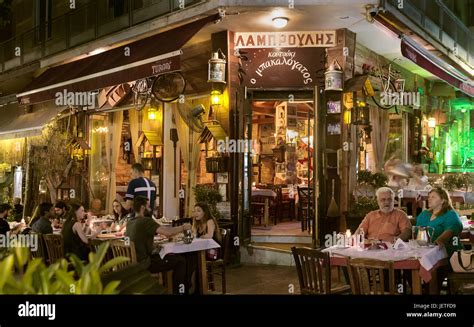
x=160, y=239
x=109, y=236
x=165, y=221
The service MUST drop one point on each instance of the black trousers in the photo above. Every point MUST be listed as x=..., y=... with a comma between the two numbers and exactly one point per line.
x=191, y=259
x=175, y=263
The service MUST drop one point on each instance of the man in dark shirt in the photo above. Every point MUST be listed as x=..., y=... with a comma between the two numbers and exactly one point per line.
x=5, y=210
x=60, y=211
x=43, y=224
x=141, y=230
x=140, y=186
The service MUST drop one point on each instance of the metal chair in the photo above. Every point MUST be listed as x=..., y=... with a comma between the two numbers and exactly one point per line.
x=314, y=272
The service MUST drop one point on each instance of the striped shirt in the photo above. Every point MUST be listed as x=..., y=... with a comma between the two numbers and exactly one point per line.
x=142, y=186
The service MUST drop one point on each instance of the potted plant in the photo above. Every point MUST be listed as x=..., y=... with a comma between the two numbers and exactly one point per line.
x=359, y=210
x=209, y=195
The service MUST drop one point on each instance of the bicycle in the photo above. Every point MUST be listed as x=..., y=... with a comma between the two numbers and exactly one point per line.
x=389, y=88
x=142, y=92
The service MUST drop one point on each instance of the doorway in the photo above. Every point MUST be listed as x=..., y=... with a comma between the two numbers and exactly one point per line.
x=279, y=175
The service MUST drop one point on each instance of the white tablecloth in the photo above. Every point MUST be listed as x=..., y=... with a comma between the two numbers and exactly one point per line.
x=263, y=192
x=428, y=256
x=198, y=244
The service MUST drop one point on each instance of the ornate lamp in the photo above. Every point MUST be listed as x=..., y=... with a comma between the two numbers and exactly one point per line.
x=216, y=70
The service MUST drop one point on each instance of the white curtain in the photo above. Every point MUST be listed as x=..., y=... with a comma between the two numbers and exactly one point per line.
x=190, y=150
x=114, y=140
x=134, y=131
x=380, y=127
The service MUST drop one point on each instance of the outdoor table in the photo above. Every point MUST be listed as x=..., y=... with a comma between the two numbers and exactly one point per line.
x=422, y=261
x=199, y=245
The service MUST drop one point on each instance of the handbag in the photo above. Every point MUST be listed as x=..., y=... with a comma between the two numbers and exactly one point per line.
x=462, y=261
x=212, y=254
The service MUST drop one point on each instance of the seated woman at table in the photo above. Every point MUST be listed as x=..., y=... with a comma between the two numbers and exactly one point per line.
x=443, y=218
x=204, y=226
x=74, y=238
x=446, y=223
x=120, y=216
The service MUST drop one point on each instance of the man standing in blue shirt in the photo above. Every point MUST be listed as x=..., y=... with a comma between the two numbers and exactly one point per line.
x=140, y=186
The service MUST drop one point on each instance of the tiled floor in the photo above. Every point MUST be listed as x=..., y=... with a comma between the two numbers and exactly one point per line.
x=260, y=279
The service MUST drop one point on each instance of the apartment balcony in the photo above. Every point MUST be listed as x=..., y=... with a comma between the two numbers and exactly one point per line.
x=435, y=18
x=80, y=26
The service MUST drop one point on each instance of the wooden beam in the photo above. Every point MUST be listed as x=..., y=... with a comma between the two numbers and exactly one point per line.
x=263, y=120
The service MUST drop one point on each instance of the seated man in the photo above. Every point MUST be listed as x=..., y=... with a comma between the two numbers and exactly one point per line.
x=43, y=224
x=141, y=229
x=387, y=223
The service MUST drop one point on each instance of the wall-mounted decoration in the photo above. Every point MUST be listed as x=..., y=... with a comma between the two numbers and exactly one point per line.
x=334, y=107
x=334, y=128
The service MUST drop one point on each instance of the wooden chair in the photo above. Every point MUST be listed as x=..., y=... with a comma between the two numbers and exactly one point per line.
x=368, y=277
x=257, y=208
x=219, y=263
x=54, y=247
x=283, y=205
x=305, y=211
x=41, y=251
x=314, y=272
x=124, y=249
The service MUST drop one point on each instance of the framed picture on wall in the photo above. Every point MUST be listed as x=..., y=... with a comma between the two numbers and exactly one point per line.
x=334, y=128
x=222, y=178
x=334, y=107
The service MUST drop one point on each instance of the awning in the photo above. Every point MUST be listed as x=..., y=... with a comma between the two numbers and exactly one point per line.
x=431, y=64
x=154, y=138
x=16, y=125
x=212, y=132
x=154, y=55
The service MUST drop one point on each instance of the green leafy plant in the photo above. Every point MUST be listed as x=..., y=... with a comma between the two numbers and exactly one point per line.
x=363, y=206
x=19, y=274
x=209, y=195
x=453, y=181
x=376, y=180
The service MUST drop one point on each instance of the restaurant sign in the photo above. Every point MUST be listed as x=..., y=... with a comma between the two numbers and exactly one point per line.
x=305, y=39
x=289, y=67
x=167, y=65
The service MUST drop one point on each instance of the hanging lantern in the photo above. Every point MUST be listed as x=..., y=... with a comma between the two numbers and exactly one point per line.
x=216, y=71
x=43, y=187
x=360, y=114
x=216, y=98
x=333, y=77
x=152, y=113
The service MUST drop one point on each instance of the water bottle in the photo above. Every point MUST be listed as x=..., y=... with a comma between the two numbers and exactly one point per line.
x=361, y=237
